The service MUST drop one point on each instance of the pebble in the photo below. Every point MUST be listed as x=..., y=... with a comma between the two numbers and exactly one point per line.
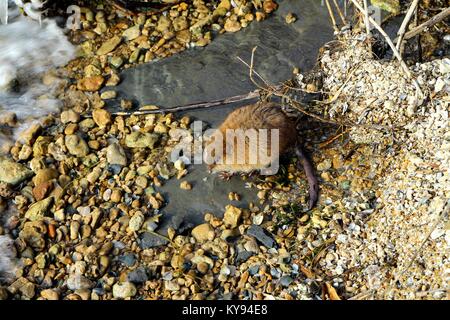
x=109, y=94
x=132, y=33
x=109, y=45
x=138, y=275
x=136, y=222
x=78, y=282
x=231, y=216
x=141, y=140
x=90, y=84
x=76, y=145
x=116, y=155
x=149, y=240
x=50, y=294
x=124, y=290
x=70, y=116
x=262, y=236
x=116, y=195
x=185, y=185
x=39, y=209
x=13, y=173
x=203, y=232
x=291, y=18
x=101, y=117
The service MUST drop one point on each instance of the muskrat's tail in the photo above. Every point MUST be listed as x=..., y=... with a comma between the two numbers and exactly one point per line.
x=311, y=177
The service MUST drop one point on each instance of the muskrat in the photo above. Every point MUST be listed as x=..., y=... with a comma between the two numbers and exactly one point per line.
x=262, y=115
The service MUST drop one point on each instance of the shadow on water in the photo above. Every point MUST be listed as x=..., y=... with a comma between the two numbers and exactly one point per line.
x=214, y=72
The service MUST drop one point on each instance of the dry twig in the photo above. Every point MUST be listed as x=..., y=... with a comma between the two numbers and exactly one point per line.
x=341, y=15
x=330, y=12
x=435, y=19
x=401, y=32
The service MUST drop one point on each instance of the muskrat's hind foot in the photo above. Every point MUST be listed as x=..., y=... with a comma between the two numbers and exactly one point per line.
x=225, y=175
x=312, y=180
x=249, y=174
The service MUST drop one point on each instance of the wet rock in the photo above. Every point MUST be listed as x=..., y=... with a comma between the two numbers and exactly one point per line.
x=164, y=23
x=101, y=117
x=243, y=256
x=3, y=294
x=138, y=275
x=171, y=285
x=45, y=175
x=180, y=23
x=86, y=125
x=185, y=185
x=262, y=236
x=290, y=18
x=40, y=147
x=24, y=286
x=132, y=33
x=8, y=118
x=91, y=70
x=141, y=140
x=74, y=229
x=136, y=222
x=41, y=190
x=285, y=281
x=232, y=26
x=110, y=94
x=124, y=290
x=203, y=232
x=142, y=182
x=149, y=240
x=116, y=196
x=50, y=294
x=69, y=116
x=13, y=173
x=39, y=210
x=116, y=155
x=325, y=165
x=76, y=145
x=117, y=62
x=135, y=55
x=269, y=6
x=79, y=282
x=114, y=80
x=127, y=259
x=25, y=152
x=109, y=45
x=29, y=134
x=231, y=216
x=225, y=4
x=33, y=234
x=90, y=83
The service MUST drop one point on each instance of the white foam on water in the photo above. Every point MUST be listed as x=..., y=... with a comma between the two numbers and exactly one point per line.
x=8, y=259
x=28, y=49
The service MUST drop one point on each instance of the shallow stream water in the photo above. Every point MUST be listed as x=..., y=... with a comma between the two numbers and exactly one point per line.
x=214, y=72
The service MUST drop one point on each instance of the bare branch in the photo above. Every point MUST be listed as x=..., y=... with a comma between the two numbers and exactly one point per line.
x=436, y=19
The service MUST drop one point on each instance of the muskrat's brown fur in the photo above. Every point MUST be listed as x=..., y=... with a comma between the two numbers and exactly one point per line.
x=264, y=115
